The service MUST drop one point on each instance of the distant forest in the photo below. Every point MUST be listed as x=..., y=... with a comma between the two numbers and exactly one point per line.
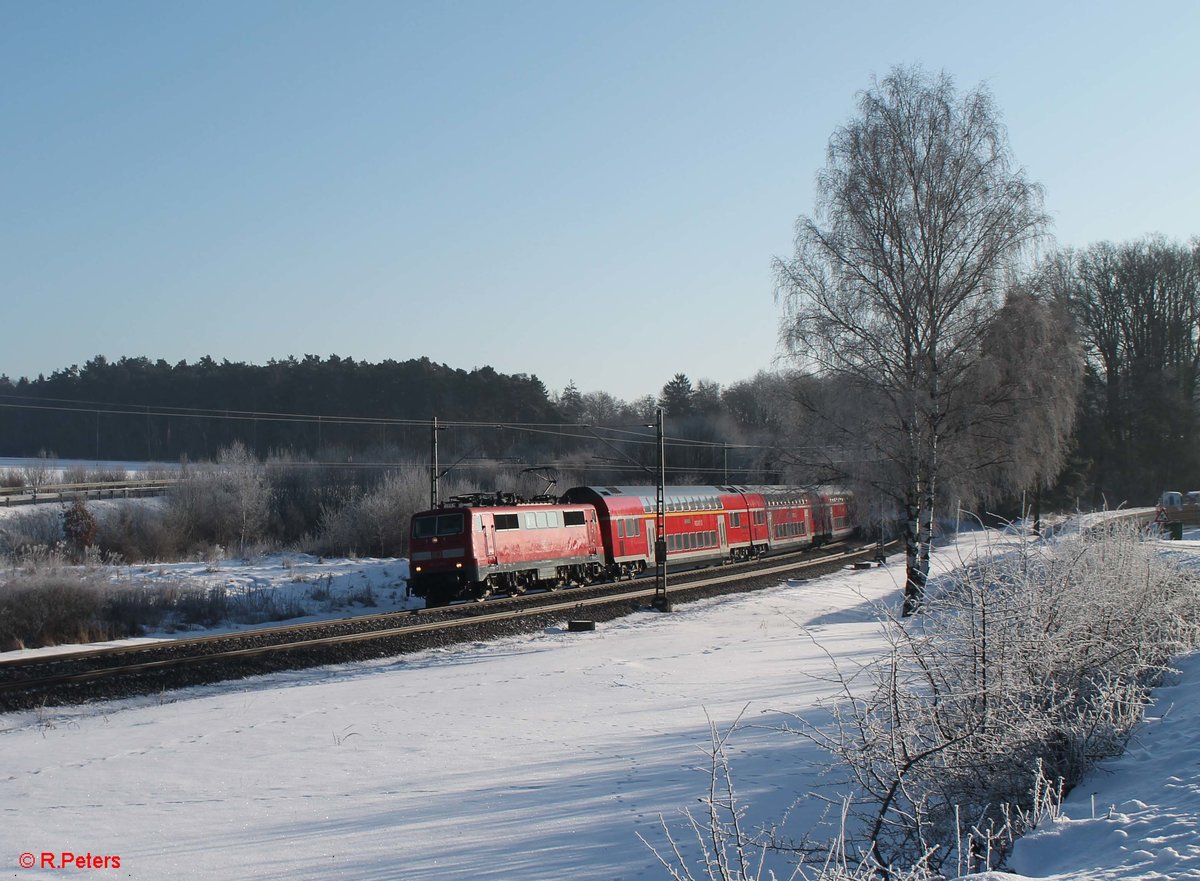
x=1134, y=316
x=343, y=411
x=138, y=409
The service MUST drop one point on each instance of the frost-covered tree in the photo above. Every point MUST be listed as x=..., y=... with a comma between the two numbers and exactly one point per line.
x=920, y=213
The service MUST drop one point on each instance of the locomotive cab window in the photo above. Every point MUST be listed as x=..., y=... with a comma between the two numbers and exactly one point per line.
x=440, y=524
x=507, y=521
x=572, y=518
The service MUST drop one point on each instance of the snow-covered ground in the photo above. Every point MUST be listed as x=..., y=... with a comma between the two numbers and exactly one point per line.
x=268, y=591
x=535, y=757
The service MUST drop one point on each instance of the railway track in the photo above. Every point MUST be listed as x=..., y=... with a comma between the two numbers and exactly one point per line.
x=151, y=668
x=146, y=669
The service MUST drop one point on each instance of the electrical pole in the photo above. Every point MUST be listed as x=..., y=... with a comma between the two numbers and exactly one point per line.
x=661, y=602
x=433, y=458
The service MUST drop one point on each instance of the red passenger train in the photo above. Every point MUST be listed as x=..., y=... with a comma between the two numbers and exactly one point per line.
x=477, y=545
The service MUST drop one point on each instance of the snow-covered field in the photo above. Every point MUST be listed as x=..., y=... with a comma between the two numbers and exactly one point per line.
x=538, y=757
x=269, y=591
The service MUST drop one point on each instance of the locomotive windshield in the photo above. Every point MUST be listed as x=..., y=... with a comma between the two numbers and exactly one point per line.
x=437, y=524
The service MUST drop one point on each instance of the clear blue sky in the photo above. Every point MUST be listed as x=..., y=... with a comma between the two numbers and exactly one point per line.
x=577, y=190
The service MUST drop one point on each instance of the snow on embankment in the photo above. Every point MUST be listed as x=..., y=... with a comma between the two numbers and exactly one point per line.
x=1136, y=817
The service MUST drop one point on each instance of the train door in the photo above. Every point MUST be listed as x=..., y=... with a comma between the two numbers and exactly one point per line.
x=592, y=536
x=650, y=542
x=724, y=542
x=489, y=540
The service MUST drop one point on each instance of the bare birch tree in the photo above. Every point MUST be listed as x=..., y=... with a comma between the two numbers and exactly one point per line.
x=920, y=211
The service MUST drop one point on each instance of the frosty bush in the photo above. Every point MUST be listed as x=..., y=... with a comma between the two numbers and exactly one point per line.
x=376, y=521
x=38, y=526
x=45, y=608
x=135, y=532
x=1027, y=669
x=226, y=504
x=1024, y=670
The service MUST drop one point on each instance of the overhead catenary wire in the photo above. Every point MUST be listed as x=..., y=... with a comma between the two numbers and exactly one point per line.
x=555, y=429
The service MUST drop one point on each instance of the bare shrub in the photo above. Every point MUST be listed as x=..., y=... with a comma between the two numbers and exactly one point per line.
x=74, y=474
x=40, y=473
x=168, y=606
x=376, y=521
x=136, y=532
x=38, y=526
x=1025, y=670
x=1028, y=669
x=225, y=504
x=79, y=528
x=51, y=608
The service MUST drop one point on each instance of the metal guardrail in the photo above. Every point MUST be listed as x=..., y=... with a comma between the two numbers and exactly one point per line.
x=60, y=492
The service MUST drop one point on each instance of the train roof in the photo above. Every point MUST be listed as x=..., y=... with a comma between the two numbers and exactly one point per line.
x=723, y=489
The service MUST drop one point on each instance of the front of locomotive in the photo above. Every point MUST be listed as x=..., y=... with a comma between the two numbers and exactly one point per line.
x=442, y=560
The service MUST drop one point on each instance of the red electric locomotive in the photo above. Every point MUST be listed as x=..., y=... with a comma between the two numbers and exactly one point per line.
x=480, y=544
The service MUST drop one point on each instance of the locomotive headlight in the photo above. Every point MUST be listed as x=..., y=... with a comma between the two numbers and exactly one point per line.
x=418, y=569
x=458, y=565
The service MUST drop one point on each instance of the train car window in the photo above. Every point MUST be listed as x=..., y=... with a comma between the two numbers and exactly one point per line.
x=635, y=527
x=712, y=539
x=507, y=521
x=647, y=505
x=620, y=529
x=572, y=518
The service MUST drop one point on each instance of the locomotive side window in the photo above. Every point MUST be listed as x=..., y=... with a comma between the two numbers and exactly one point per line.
x=507, y=521
x=572, y=518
